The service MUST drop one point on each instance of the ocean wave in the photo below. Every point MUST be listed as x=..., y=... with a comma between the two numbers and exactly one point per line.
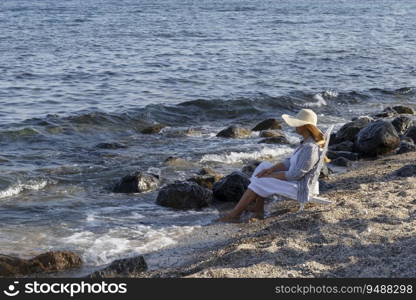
x=238, y=157
x=17, y=188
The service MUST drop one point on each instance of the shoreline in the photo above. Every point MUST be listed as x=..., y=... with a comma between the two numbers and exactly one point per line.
x=369, y=231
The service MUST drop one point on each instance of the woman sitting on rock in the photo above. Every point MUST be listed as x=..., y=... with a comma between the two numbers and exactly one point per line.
x=290, y=178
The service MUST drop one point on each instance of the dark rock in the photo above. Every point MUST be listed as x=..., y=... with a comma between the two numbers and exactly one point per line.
x=137, y=182
x=128, y=267
x=343, y=146
x=349, y=131
x=114, y=145
x=406, y=171
x=184, y=195
x=402, y=124
x=274, y=140
x=401, y=109
x=271, y=133
x=250, y=167
x=234, y=132
x=52, y=261
x=156, y=128
x=406, y=146
x=206, y=177
x=411, y=133
x=348, y=155
x=341, y=161
x=388, y=112
x=376, y=138
x=267, y=124
x=332, y=139
x=231, y=187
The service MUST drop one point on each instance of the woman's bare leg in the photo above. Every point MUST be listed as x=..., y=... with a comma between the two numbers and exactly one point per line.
x=259, y=208
x=245, y=200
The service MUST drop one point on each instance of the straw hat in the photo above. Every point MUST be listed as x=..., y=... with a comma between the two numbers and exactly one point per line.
x=306, y=117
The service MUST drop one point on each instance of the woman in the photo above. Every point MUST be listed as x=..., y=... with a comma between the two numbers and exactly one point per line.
x=292, y=177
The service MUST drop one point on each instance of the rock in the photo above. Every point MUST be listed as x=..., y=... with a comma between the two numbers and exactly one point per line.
x=388, y=112
x=234, y=132
x=349, y=131
x=113, y=145
x=401, y=109
x=348, y=155
x=206, y=181
x=177, y=162
x=127, y=267
x=376, y=138
x=406, y=171
x=184, y=195
x=406, y=146
x=341, y=161
x=325, y=171
x=156, y=128
x=411, y=133
x=274, y=140
x=46, y=262
x=402, y=194
x=137, y=182
x=402, y=124
x=206, y=178
x=231, y=187
x=271, y=133
x=343, y=146
x=250, y=167
x=332, y=139
x=182, y=132
x=267, y=124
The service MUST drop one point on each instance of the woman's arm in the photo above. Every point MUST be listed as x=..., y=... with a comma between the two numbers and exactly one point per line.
x=280, y=166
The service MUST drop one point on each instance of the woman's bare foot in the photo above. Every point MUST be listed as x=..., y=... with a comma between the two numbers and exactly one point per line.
x=258, y=216
x=228, y=219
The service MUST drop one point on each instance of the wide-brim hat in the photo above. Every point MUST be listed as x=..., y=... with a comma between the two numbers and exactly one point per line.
x=303, y=117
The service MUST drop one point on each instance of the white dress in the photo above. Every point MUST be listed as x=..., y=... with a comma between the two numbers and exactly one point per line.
x=267, y=186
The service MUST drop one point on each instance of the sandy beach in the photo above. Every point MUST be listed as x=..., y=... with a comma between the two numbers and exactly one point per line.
x=369, y=231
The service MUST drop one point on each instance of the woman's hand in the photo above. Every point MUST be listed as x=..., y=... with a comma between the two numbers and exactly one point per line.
x=277, y=175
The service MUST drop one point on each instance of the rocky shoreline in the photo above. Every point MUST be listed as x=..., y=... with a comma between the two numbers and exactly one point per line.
x=369, y=231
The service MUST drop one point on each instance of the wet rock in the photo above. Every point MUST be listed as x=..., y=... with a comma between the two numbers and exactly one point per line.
x=250, y=167
x=402, y=124
x=348, y=155
x=388, y=112
x=275, y=140
x=267, y=124
x=177, y=162
x=231, y=187
x=332, y=139
x=127, y=267
x=406, y=145
x=411, y=133
x=113, y=145
x=341, y=161
x=156, y=128
x=377, y=138
x=343, y=146
x=137, y=182
x=401, y=109
x=206, y=177
x=52, y=261
x=349, y=131
x=234, y=132
x=406, y=171
x=184, y=195
x=182, y=132
x=271, y=133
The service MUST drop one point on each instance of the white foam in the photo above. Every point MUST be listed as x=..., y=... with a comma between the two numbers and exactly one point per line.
x=320, y=101
x=236, y=157
x=17, y=188
x=102, y=248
